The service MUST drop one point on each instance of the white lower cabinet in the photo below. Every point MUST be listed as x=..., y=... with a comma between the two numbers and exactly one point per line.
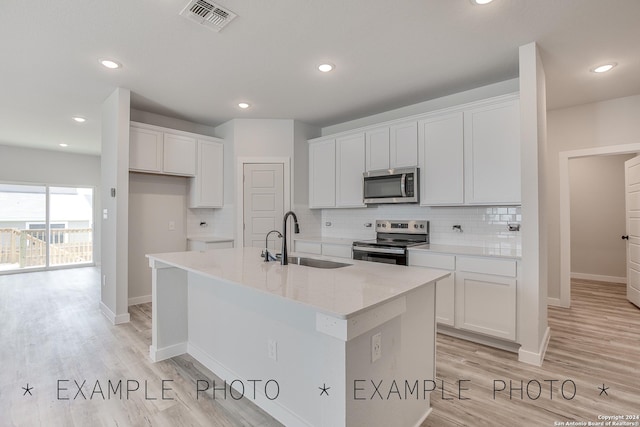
x=445, y=288
x=480, y=294
x=308, y=247
x=486, y=292
x=337, y=250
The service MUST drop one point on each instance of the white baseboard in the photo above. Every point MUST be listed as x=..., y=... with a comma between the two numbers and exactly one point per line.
x=160, y=354
x=140, y=300
x=113, y=318
x=479, y=338
x=424, y=417
x=554, y=302
x=538, y=357
x=598, y=278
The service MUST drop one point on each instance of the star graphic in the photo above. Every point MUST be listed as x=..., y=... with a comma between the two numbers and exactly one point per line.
x=27, y=389
x=603, y=389
x=324, y=389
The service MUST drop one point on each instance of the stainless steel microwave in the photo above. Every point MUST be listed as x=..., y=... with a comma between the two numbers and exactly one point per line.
x=398, y=185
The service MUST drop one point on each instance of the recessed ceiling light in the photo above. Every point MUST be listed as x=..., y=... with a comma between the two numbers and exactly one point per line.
x=110, y=64
x=79, y=119
x=243, y=105
x=603, y=68
x=481, y=1
x=63, y=145
x=325, y=68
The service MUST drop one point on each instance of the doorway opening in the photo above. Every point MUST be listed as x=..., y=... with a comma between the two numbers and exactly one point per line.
x=44, y=226
x=565, y=209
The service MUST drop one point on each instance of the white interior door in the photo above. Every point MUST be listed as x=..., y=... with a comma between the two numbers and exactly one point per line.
x=263, y=203
x=632, y=198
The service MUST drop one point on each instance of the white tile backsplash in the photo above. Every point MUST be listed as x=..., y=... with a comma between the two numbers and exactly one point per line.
x=220, y=222
x=481, y=226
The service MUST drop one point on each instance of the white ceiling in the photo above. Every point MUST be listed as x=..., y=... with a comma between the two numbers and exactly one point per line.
x=388, y=54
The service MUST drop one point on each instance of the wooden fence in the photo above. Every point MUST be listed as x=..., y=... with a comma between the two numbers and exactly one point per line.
x=28, y=248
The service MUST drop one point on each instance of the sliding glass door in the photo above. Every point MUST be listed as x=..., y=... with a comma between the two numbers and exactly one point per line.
x=43, y=226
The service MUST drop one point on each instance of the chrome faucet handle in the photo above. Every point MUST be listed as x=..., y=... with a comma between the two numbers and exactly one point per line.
x=265, y=254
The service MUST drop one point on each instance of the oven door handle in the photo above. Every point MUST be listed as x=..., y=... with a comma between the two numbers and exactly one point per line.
x=379, y=250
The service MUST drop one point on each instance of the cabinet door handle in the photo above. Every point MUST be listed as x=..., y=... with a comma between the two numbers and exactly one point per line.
x=625, y=237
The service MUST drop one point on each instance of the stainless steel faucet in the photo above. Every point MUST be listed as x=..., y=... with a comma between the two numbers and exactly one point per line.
x=284, y=260
x=266, y=253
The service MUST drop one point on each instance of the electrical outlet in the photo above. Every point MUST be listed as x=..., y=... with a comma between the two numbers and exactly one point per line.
x=376, y=347
x=172, y=225
x=272, y=349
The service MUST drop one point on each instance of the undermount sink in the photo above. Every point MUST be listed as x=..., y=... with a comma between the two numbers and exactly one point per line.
x=316, y=263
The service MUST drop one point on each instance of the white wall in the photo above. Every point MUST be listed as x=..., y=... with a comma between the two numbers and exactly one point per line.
x=598, y=216
x=258, y=139
x=114, y=169
x=600, y=124
x=30, y=165
x=476, y=94
x=154, y=201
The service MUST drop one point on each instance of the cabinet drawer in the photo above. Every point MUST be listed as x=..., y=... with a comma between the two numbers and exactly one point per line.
x=308, y=247
x=498, y=267
x=342, y=251
x=431, y=260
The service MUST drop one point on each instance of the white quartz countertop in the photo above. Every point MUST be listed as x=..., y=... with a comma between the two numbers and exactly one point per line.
x=209, y=238
x=487, y=251
x=341, y=292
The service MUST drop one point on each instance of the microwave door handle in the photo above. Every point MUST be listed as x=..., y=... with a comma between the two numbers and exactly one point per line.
x=403, y=181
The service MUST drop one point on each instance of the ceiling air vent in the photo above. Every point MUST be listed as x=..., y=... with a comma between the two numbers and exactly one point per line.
x=209, y=14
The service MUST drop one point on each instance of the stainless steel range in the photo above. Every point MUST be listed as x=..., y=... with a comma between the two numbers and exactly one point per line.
x=392, y=240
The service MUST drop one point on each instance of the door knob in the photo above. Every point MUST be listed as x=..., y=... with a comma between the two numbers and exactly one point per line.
x=625, y=237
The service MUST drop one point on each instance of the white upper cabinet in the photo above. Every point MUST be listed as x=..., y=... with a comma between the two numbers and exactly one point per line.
x=179, y=155
x=156, y=150
x=322, y=174
x=492, y=154
x=441, y=160
x=145, y=150
x=393, y=146
x=403, y=145
x=377, y=149
x=206, y=189
x=350, y=155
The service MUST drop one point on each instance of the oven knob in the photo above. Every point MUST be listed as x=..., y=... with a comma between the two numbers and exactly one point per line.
x=421, y=225
x=415, y=225
x=384, y=225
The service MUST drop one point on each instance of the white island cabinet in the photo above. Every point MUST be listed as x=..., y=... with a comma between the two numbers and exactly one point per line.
x=293, y=331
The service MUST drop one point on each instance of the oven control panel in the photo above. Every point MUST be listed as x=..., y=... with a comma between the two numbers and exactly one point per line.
x=396, y=226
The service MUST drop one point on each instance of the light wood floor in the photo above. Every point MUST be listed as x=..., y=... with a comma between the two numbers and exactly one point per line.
x=52, y=335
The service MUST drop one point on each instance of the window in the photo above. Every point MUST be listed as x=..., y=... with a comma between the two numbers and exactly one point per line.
x=43, y=226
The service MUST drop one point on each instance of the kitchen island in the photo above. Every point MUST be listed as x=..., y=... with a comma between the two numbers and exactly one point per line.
x=349, y=346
